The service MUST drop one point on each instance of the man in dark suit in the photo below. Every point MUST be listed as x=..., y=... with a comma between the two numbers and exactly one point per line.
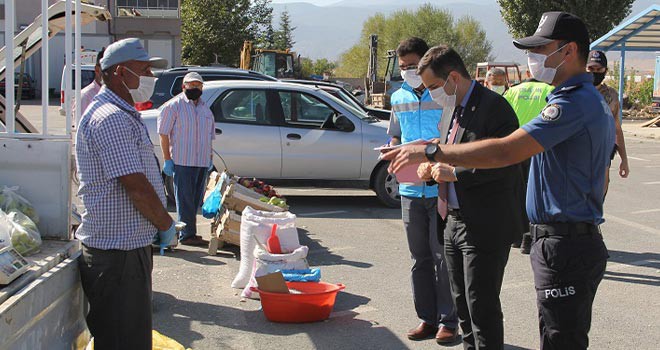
x=482, y=207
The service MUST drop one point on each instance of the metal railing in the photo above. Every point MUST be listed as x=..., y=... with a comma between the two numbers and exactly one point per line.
x=147, y=12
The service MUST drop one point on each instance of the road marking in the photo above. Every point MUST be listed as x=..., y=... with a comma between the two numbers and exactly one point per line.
x=651, y=183
x=633, y=224
x=324, y=213
x=645, y=211
x=652, y=166
x=642, y=159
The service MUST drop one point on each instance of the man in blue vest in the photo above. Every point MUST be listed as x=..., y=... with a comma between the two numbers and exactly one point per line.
x=415, y=116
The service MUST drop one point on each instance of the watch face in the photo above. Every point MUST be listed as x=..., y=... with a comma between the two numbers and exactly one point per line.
x=431, y=150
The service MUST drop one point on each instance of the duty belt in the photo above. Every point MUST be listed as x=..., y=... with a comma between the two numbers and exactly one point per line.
x=539, y=231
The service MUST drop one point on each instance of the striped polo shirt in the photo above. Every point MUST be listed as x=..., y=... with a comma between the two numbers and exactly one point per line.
x=191, y=129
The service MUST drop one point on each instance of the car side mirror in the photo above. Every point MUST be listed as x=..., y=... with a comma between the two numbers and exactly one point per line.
x=342, y=123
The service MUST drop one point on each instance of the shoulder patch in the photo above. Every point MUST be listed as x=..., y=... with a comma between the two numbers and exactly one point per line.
x=551, y=112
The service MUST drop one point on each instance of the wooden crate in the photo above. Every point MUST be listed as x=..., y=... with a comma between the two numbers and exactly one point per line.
x=231, y=220
x=237, y=199
x=226, y=228
x=381, y=101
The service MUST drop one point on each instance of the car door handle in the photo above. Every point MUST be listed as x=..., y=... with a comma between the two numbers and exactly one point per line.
x=293, y=137
x=218, y=131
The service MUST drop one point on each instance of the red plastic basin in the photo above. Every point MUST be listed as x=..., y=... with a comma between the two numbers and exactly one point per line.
x=314, y=304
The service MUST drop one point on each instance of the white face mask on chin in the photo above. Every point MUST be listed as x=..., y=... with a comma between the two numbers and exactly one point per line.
x=145, y=88
x=440, y=96
x=540, y=72
x=411, y=78
x=498, y=88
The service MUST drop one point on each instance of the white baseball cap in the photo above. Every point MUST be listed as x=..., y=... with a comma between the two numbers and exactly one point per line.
x=192, y=76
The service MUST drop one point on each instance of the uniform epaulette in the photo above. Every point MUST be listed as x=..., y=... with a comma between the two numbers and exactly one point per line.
x=569, y=88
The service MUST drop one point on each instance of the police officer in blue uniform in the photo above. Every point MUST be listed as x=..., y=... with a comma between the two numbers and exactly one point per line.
x=570, y=142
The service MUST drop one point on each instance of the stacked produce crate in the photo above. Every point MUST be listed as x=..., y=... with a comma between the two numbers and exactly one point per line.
x=237, y=194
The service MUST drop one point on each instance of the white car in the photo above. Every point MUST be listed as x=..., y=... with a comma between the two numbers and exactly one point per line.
x=284, y=131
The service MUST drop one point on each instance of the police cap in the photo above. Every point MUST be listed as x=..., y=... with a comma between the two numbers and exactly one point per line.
x=555, y=26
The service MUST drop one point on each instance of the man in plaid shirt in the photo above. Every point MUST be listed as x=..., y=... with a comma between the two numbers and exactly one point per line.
x=122, y=191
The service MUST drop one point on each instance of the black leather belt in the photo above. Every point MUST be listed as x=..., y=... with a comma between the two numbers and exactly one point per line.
x=539, y=231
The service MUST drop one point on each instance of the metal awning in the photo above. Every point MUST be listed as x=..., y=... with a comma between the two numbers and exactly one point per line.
x=640, y=33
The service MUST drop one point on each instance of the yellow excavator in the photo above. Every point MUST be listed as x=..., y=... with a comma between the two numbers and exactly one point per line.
x=276, y=63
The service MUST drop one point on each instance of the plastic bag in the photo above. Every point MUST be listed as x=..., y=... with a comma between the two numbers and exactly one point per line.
x=256, y=227
x=5, y=230
x=10, y=201
x=308, y=275
x=212, y=203
x=266, y=263
x=159, y=342
x=25, y=236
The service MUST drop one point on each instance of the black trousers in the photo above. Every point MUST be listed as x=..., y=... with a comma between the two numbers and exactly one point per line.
x=567, y=272
x=118, y=287
x=475, y=275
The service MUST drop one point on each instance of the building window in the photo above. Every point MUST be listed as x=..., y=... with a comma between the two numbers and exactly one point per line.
x=148, y=8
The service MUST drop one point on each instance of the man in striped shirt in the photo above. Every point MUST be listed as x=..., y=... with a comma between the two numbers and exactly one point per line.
x=187, y=129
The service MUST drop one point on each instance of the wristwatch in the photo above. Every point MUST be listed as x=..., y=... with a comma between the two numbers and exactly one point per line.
x=430, y=151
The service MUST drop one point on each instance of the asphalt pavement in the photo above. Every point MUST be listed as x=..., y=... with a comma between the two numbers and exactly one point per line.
x=358, y=242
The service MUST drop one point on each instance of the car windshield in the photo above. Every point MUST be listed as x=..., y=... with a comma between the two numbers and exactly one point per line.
x=350, y=100
x=357, y=112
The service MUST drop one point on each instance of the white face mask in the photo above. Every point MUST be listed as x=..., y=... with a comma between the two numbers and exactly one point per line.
x=498, y=88
x=440, y=96
x=540, y=72
x=145, y=88
x=411, y=78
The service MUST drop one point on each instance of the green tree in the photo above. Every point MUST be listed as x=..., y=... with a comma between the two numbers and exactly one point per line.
x=284, y=36
x=431, y=23
x=310, y=67
x=522, y=16
x=306, y=67
x=210, y=27
x=322, y=66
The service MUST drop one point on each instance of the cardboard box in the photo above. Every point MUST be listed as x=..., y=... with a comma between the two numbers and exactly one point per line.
x=273, y=283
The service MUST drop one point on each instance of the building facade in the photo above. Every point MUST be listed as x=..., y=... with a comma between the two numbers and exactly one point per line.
x=156, y=22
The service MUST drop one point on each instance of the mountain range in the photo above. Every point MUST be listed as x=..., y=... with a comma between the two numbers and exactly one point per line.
x=329, y=30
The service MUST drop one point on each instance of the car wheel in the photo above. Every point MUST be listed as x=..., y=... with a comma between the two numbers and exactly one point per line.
x=387, y=188
x=169, y=189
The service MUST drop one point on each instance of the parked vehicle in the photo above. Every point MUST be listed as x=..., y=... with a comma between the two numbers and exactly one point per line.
x=169, y=81
x=28, y=88
x=86, y=77
x=284, y=131
x=341, y=93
